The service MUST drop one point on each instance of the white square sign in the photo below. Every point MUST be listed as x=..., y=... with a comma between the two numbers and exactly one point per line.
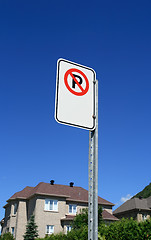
x=75, y=95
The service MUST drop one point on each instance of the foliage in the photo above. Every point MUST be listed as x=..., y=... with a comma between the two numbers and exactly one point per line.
x=145, y=229
x=31, y=229
x=126, y=229
x=59, y=236
x=78, y=234
x=145, y=193
x=100, y=219
x=7, y=236
x=81, y=219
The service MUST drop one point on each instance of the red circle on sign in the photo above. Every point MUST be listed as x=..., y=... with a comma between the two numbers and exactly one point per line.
x=70, y=72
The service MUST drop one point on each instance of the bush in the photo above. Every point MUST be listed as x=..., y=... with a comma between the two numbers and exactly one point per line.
x=145, y=229
x=7, y=236
x=126, y=229
x=78, y=234
x=59, y=236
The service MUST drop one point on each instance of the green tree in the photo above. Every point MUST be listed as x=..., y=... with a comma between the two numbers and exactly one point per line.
x=145, y=193
x=31, y=229
x=82, y=218
x=100, y=219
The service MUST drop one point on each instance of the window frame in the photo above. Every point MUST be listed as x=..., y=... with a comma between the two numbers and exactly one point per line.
x=72, y=209
x=48, y=227
x=13, y=230
x=14, y=208
x=144, y=216
x=54, y=205
x=68, y=228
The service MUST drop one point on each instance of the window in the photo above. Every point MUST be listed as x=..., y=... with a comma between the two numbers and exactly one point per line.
x=49, y=229
x=69, y=228
x=51, y=205
x=12, y=231
x=72, y=208
x=144, y=217
x=15, y=208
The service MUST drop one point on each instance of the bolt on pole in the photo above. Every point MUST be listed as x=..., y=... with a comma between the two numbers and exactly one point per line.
x=93, y=178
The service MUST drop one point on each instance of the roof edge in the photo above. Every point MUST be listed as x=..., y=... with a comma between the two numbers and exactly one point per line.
x=48, y=194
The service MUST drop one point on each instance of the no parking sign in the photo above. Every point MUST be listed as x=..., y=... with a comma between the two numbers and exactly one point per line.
x=75, y=95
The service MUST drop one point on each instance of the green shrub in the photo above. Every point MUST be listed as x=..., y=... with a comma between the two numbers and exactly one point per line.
x=126, y=229
x=7, y=236
x=78, y=234
x=59, y=236
x=145, y=229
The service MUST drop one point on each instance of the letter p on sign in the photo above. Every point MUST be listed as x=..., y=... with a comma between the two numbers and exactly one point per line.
x=75, y=95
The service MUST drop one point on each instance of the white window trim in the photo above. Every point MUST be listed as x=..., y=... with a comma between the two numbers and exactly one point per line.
x=14, y=208
x=144, y=217
x=72, y=212
x=49, y=233
x=12, y=231
x=53, y=210
x=68, y=227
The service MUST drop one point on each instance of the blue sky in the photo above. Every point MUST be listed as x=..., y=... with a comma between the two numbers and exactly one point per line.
x=113, y=38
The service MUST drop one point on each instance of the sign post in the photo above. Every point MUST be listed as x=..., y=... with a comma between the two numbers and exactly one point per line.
x=93, y=179
x=77, y=105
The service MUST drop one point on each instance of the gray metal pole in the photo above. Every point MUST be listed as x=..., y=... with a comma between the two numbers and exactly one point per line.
x=93, y=179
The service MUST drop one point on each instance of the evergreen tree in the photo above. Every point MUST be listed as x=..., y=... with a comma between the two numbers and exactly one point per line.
x=31, y=229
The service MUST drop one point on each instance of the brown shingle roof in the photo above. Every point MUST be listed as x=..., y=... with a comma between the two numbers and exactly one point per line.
x=134, y=203
x=77, y=194
x=105, y=215
x=25, y=193
x=108, y=216
x=68, y=218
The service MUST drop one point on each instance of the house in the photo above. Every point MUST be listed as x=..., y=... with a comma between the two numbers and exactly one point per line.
x=54, y=207
x=137, y=208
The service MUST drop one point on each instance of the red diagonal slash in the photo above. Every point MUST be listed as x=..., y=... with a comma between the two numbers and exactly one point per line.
x=70, y=72
x=81, y=88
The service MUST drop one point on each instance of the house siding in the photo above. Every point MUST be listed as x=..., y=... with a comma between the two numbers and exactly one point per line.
x=21, y=220
x=44, y=218
x=31, y=206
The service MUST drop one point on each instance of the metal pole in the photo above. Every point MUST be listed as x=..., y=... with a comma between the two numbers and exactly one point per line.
x=93, y=178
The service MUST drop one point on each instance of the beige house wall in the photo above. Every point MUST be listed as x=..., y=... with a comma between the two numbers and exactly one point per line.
x=107, y=208
x=7, y=219
x=21, y=220
x=31, y=207
x=140, y=216
x=44, y=218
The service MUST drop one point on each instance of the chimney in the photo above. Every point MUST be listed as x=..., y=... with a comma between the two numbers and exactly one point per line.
x=71, y=184
x=52, y=182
